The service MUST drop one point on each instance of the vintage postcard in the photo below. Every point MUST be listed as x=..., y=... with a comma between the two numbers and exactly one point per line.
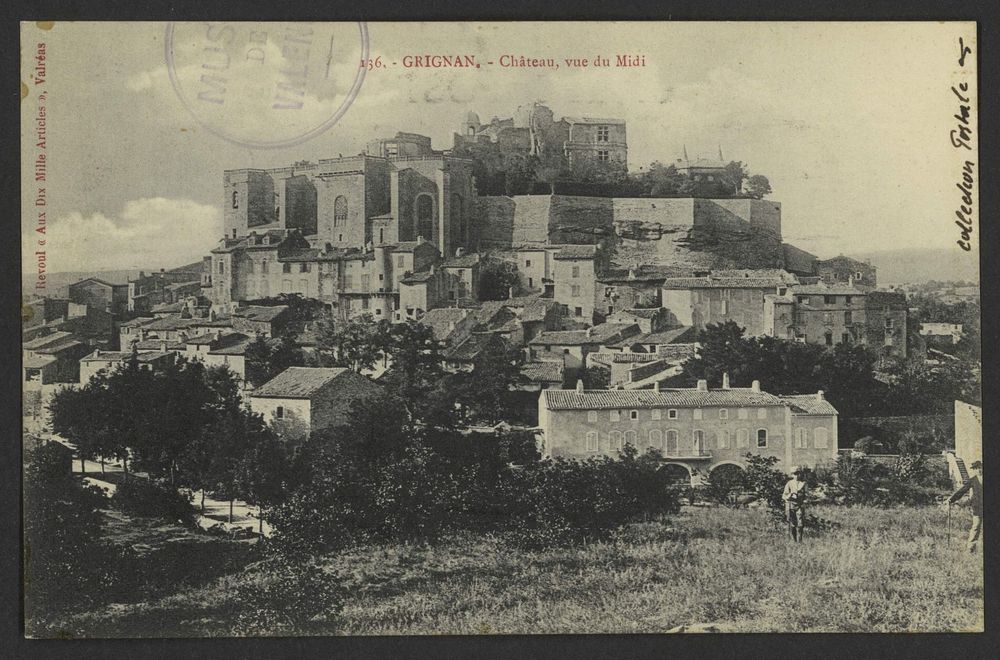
x=500, y=328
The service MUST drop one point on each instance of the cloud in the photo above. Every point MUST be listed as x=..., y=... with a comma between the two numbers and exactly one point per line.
x=148, y=233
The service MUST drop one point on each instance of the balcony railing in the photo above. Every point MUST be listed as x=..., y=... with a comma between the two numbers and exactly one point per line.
x=687, y=454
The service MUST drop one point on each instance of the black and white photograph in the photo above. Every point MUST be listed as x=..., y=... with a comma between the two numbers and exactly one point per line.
x=500, y=328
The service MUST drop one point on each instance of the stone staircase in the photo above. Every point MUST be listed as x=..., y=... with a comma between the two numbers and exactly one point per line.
x=957, y=470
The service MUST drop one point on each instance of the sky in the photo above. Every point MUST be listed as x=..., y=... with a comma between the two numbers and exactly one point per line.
x=850, y=122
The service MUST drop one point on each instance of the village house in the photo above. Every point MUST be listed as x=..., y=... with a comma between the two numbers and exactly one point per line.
x=575, y=345
x=698, y=428
x=575, y=275
x=108, y=361
x=845, y=270
x=302, y=400
x=97, y=293
x=719, y=297
x=51, y=358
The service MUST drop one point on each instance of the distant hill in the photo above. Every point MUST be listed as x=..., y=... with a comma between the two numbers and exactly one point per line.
x=58, y=283
x=921, y=265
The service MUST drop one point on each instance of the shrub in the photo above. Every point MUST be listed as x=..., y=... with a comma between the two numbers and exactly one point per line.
x=285, y=596
x=725, y=485
x=909, y=480
x=153, y=499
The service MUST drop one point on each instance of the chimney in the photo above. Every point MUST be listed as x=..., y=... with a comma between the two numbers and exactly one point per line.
x=631, y=273
x=725, y=380
x=656, y=387
x=510, y=293
x=755, y=386
x=819, y=396
x=163, y=345
x=420, y=240
x=702, y=385
x=579, y=386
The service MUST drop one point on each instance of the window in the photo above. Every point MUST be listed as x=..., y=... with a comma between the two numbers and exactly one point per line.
x=848, y=317
x=699, y=441
x=743, y=439
x=615, y=416
x=531, y=282
x=592, y=416
x=829, y=300
x=801, y=439
x=602, y=155
x=630, y=438
x=236, y=200
x=263, y=266
x=615, y=439
x=656, y=438
x=304, y=268
x=578, y=311
x=365, y=283
x=723, y=413
x=847, y=300
x=697, y=413
x=761, y=438
x=527, y=263
x=279, y=412
x=633, y=414
x=828, y=338
x=340, y=237
x=286, y=286
x=671, y=414
x=576, y=271
x=592, y=441
x=724, y=440
x=888, y=324
x=845, y=338
x=724, y=307
x=672, y=441
x=742, y=413
x=574, y=291
x=858, y=275
x=762, y=413
x=347, y=282
x=820, y=438
x=364, y=303
x=425, y=215
x=399, y=261
x=286, y=268
x=340, y=211
x=250, y=266
x=657, y=414
x=222, y=267
x=803, y=300
x=602, y=133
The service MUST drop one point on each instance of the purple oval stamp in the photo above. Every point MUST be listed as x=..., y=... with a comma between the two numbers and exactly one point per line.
x=266, y=85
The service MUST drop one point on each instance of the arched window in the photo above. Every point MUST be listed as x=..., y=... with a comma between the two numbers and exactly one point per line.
x=656, y=438
x=820, y=438
x=425, y=216
x=630, y=438
x=724, y=441
x=672, y=441
x=340, y=211
x=236, y=200
x=616, y=439
x=801, y=438
x=761, y=438
x=592, y=441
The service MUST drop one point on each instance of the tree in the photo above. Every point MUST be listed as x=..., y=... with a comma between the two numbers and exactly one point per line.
x=266, y=358
x=497, y=277
x=357, y=343
x=416, y=371
x=758, y=186
x=497, y=369
x=732, y=177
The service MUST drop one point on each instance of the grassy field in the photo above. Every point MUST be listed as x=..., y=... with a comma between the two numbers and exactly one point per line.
x=880, y=571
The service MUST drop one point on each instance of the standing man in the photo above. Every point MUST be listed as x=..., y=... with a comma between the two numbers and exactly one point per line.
x=795, y=498
x=974, y=484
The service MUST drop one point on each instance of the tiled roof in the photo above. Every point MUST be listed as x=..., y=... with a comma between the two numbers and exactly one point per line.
x=776, y=273
x=124, y=356
x=417, y=278
x=234, y=343
x=647, y=273
x=170, y=323
x=470, y=348
x=464, y=261
x=723, y=282
x=48, y=340
x=168, y=307
x=676, y=352
x=440, y=320
x=299, y=382
x=593, y=120
x=407, y=246
x=264, y=313
x=577, y=252
x=206, y=339
x=299, y=254
x=597, y=335
x=38, y=361
x=661, y=337
x=137, y=322
x=685, y=398
x=633, y=358
x=543, y=372
x=808, y=404
x=642, y=313
x=155, y=344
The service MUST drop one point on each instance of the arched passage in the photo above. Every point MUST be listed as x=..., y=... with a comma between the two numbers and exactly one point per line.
x=677, y=474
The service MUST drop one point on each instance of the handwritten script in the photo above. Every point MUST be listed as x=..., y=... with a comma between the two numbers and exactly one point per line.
x=961, y=138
